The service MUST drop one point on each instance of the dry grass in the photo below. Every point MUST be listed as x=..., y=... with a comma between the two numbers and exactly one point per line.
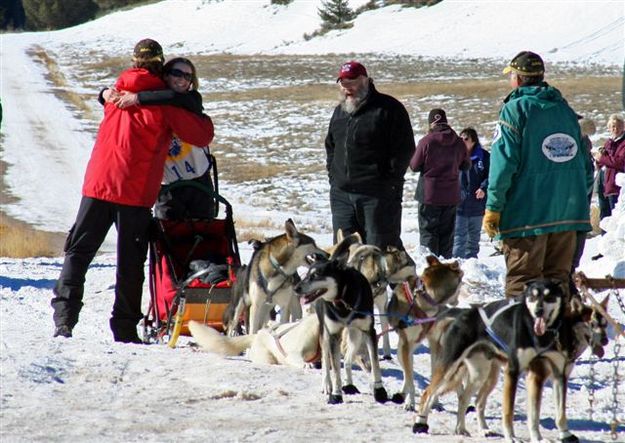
x=253, y=229
x=21, y=241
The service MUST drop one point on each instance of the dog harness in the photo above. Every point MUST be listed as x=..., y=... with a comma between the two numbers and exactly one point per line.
x=489, y=321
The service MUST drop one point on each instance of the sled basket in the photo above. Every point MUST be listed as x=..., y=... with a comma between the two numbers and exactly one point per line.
x=179, y=292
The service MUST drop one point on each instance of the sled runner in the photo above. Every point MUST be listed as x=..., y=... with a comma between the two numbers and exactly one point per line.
x=192, y=269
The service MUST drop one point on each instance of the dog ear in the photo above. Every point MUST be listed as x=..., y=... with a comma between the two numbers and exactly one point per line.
x=604, y=303
x=432, y=260
x=341, y=252
x=291, y=230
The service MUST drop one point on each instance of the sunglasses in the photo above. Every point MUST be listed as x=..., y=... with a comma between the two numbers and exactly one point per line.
x=180, y=74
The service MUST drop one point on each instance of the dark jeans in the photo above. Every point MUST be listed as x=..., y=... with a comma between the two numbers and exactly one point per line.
x=467, y=236
x=436, y=228
x=376, y=218
x=93, y=222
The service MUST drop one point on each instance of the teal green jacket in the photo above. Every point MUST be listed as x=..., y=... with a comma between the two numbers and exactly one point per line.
x=540, y=176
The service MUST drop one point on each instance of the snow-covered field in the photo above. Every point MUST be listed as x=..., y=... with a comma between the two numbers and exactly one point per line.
x=89, y=388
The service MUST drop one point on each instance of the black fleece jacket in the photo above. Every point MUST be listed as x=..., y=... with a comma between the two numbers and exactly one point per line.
x=369, y=150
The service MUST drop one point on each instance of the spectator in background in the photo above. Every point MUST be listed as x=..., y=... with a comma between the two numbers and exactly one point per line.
x=438, y=158
x=368, y=148
x=473, y=185
x=121, y=184
x=612, y=158
x=539, y=179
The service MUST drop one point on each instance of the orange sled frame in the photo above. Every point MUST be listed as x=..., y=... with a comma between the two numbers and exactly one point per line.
x=176, y=296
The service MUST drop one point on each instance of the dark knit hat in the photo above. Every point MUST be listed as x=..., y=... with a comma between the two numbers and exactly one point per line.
x=526, y=63
x=148, y=50
x=437, y=117
x=351, y=70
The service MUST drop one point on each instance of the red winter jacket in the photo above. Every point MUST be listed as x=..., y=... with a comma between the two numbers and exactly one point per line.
x=127, y=161
x=438, y=157
x=613, y=159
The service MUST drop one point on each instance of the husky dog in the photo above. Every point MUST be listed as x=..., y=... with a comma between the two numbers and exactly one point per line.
x=411, y=310
x=380, y=268
x=269, y=278
x=343, y=300
x=532, y=335
x=294, y=344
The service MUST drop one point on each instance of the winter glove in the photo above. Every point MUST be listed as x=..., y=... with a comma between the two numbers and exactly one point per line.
x=490, y=224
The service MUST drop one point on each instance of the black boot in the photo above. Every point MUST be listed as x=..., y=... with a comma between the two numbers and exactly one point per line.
x=125, y=331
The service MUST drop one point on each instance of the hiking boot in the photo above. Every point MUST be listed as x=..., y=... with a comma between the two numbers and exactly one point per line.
x=63, y=331
x=128, y=338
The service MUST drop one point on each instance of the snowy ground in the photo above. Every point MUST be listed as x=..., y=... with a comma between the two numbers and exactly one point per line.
x=89, y=388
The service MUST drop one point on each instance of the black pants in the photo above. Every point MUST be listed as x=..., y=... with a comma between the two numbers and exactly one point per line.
x=93, y=222
x=376, y=218
x=436, y=228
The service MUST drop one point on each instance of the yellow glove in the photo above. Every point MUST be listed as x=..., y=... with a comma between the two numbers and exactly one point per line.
x=490, y=223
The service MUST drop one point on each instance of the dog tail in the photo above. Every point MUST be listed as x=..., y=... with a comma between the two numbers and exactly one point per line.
x=211, y=340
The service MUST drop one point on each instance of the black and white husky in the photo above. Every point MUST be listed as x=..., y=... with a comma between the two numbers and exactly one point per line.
x=532, y=335
x=343, y=300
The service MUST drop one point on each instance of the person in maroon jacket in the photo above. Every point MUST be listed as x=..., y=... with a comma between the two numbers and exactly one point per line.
x=121, y=184
x=612, y=157
x=438, y=158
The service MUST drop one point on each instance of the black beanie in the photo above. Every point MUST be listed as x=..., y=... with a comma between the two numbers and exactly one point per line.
x=436, y=117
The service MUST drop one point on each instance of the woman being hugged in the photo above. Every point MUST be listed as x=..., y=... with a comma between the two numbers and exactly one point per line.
x=473, y=185
x=185, y=162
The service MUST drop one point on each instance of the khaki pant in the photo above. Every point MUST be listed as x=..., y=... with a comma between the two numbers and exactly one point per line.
x=542, y=256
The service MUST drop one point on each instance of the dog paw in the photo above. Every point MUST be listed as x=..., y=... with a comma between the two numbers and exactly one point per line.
x=420, y=428
x=462, y=432
x=334, y=399
x=470, y=408
x=490, y=434
x=350, y=390
x=387, y=357
x=570, y=439
x=438, y=406
x=380, y=395
x=398, y=398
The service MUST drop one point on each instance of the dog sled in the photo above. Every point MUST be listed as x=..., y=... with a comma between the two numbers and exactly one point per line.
x=192, y=269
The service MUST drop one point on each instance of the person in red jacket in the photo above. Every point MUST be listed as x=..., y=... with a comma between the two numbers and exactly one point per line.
x=121, y=184
x=612, y=158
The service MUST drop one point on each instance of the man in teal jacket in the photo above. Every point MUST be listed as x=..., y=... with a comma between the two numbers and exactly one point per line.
x=539, y=178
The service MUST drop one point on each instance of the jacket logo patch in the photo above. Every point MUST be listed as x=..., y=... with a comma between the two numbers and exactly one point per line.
x=559, y=147
x=496, y=134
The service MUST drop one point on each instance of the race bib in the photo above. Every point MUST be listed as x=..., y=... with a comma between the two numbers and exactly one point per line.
x=559, y=147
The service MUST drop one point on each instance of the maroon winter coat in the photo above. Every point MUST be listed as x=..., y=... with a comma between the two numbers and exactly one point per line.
x=127, y=161
x=438, y=157
x=613, y=159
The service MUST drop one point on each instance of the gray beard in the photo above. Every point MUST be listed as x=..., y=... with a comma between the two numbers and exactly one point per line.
x=352, y=103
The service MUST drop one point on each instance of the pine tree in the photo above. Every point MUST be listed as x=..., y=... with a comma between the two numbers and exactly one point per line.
x=336, y=14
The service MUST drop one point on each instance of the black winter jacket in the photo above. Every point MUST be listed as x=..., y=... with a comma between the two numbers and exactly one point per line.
x=368, y=151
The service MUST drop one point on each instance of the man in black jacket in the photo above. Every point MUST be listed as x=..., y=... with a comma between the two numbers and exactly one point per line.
x=368, y=146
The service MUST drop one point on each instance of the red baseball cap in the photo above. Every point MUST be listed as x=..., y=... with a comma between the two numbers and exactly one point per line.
x=351, y=70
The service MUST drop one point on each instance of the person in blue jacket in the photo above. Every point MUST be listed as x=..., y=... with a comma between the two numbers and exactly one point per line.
x=473, y=185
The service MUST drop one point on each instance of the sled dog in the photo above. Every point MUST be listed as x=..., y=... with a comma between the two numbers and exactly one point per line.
x=380, y=268
x=342, y=300
x=413, y=305
x=269, y=278
x=531, y=334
